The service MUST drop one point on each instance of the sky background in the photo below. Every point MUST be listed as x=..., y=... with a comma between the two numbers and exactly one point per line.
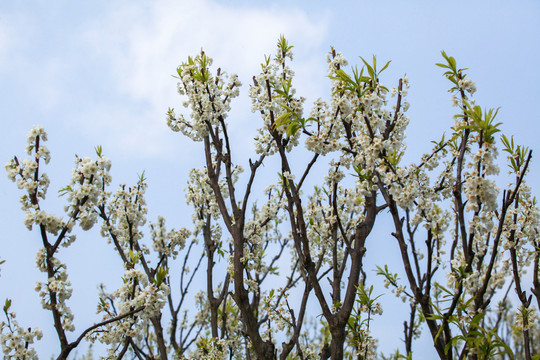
x=99, y=73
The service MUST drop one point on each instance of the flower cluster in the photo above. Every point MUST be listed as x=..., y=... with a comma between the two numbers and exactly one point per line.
x=467, y=85
x=325, y=139
x=199, y=194
x=165, y=242
x=209, y=97
x=273, y=96
x=367, y=345
x=136, y=293
x=229, y=322
x=479, y=189
x=211, y=349
x=26, y=174
x=57, y=290
x=275, y=306
x=323, y=221
x=86, y=190
x=15, y=340
x=126, y=215
x=369, y=133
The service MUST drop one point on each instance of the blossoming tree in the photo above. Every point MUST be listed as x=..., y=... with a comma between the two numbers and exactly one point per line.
x=464, y=244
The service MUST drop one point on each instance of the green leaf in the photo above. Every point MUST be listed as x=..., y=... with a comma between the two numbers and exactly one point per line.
x=283, y=46
x=7, y=305
x=134, y=256
x=141, y=177
x=343, y=76
x=161, y=274
x=283, y=119
x=292, y=128
x=508, y=144
x=394, y=157
x=371, y=70
x=452, y=63
x=476, y=320
x=385, y=66
x=65, y=190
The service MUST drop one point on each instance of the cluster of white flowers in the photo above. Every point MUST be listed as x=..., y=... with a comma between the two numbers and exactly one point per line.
x=273, y=206
x=233, y=327
x=27, y=171
x=126, y=215
x=165, y=242
x=209, y=97
x=274, y=305
x=360, y=334
x=335, y=175
x=407, y=186
x=135, y=292
x=467, y=85
x=528, y=316
x=499, y=278
x=472, y=281
x=86, y=190
x=400, y=293
x=260, y=231
x=51, y=222
x=123, y=221
x=322, y=224
x=521, y=228
x=359, y=123
x=326, y=139
x=375, y=308
x=57, y=286
x=199, y=194
x=479, y=189
x=16, y=341
x=367, y=346
x=273, y=96
x=211, y=349
x=335, y=61
x=27, y=175
x=412, y=190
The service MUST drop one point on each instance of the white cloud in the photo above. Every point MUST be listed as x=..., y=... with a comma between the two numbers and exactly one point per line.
x=34, y=62
x=144, y=45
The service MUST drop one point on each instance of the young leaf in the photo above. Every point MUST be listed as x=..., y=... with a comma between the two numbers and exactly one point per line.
x=7, y=305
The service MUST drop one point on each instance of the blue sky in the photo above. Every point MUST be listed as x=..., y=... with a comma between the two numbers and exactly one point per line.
x=99, y=73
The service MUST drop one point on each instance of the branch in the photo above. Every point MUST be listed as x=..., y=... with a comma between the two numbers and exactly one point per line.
x=71, y=346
